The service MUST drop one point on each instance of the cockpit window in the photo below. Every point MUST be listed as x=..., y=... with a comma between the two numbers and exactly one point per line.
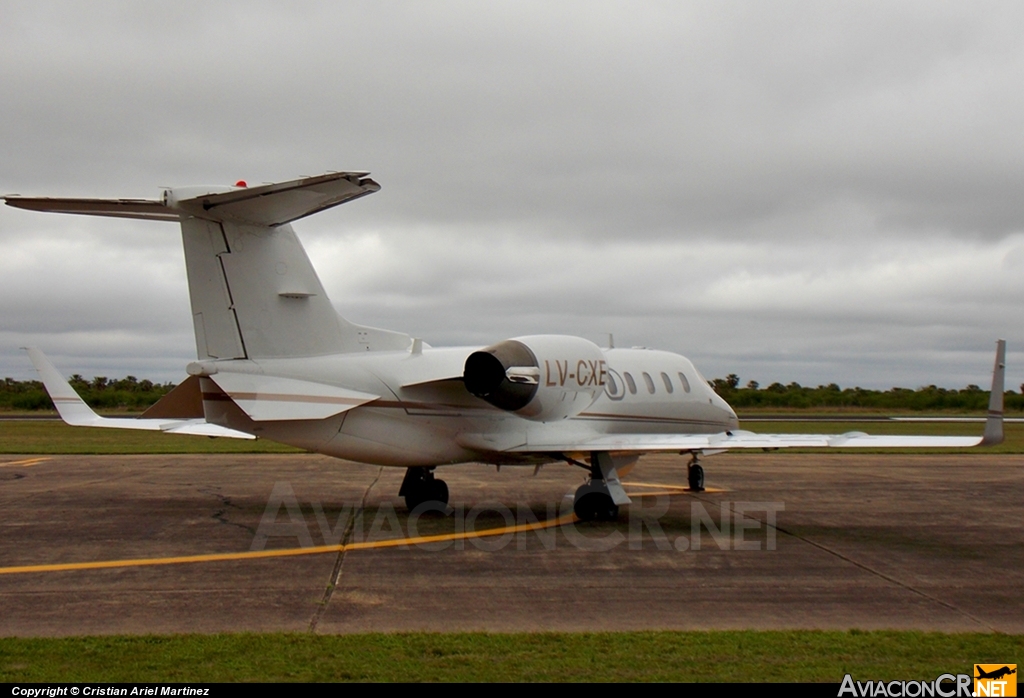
x=630, y=383
x=667, y=381
x=649, y=382
x=686, y=383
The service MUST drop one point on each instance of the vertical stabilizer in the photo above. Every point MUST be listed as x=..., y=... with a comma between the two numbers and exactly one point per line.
x=253, y=290
x=256, y=295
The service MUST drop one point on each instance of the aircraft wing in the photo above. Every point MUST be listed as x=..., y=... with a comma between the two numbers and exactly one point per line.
x=648, y=443
x=74, y=411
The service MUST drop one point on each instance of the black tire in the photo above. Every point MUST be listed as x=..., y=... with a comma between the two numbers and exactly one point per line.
x=592, y=504
x=439, y=492
x=414, y=499
x=432, y=492
x=695, y=475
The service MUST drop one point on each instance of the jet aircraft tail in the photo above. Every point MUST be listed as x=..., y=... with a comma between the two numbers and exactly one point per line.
x=253, y=290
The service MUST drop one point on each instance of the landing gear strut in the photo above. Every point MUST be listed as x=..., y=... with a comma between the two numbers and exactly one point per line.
x=420, y=486
x=695, y=475
x=593, y=501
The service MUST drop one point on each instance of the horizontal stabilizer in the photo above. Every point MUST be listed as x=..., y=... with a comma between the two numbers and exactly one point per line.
x=145, y=209
x=73, y=410
x=268, y=204
x=276, y=204
x=266, y=398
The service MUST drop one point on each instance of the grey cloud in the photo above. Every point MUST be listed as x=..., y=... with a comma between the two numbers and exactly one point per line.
x=577, y=168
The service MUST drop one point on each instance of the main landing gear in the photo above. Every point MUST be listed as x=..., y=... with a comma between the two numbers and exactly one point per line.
x=594, y=503
x=420, y=486
x=599, y=499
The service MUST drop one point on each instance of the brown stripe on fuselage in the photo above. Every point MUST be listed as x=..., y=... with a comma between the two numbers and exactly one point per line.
x=285, y=397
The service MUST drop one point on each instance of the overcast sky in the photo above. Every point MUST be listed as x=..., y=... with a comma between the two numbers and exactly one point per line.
x=789, y=191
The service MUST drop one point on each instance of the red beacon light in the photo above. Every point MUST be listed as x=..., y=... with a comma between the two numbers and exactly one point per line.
x=241, y=183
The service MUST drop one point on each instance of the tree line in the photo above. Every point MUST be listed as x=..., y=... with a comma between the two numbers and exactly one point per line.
x=796, y=396
x=130, y=393
x=100, y=393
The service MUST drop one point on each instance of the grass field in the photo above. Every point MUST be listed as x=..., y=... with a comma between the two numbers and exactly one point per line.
x=643, y=656
x=35, y=436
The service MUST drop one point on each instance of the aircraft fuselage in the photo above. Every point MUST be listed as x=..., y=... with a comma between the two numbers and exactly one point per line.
x=425, y=416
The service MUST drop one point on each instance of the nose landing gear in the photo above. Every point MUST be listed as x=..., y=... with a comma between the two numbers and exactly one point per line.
x=695, y=475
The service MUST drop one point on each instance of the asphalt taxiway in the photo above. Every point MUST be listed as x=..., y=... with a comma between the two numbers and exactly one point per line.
x=217, y=543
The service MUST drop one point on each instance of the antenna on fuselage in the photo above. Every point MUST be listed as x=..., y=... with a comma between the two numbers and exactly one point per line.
x=611, y=341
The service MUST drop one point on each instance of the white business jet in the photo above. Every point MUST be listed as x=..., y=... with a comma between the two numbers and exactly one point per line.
x=275, y=360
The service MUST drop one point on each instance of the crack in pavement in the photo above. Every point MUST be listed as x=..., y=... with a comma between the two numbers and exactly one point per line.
x=339, y=563
x=220, y=515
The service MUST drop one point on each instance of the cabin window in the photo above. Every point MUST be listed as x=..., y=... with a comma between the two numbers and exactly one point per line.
x=686, y=383
x=667, y=381
x=650, y=382
x=630, y=383
x=613, y=386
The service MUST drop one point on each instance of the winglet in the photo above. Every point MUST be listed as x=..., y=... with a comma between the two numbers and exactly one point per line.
x=69, y=404
x=994, y=423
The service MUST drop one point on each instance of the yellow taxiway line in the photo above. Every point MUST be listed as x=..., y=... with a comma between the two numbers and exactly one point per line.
x=24, y=463
x=288, y=552
x=319, y=549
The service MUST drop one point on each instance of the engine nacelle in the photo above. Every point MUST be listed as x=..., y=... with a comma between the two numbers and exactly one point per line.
x=545, y=378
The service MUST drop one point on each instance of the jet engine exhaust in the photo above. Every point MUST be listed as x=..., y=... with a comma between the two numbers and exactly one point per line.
x=496, y=374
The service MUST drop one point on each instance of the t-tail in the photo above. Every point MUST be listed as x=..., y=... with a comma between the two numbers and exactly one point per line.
x=253, y=290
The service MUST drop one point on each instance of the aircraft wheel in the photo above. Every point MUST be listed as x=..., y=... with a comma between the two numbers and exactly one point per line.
x=439, y=492
x=594, y=504
x=414, y=499
x=695, y=475
x=433, y=491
